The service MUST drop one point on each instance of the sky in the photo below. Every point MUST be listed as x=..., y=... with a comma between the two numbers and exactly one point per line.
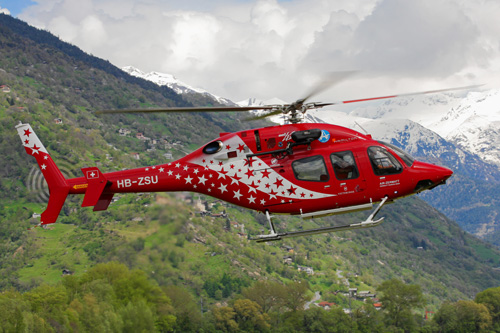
x=280, y=49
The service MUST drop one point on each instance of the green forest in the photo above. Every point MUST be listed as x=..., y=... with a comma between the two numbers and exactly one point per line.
x=183, y=262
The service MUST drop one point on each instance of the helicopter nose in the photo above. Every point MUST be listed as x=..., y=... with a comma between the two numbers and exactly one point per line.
x=429, y=175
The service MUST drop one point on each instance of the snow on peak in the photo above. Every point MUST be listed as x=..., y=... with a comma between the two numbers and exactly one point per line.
x=164, y=79
x=258, y=102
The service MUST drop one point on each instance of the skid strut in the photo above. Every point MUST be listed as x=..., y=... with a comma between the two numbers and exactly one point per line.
x=273, y=235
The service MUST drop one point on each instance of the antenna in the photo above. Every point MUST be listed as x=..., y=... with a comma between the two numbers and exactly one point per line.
x=361, y=127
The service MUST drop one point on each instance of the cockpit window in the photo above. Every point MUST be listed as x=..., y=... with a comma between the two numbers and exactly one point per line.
x=344, y=165
x=407, y=158
x=310, y=168
x=383, y=162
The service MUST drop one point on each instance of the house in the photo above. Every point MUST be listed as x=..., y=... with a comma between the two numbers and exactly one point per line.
x=287, y=248
x=287, y=260
x=58, y=121
x=365, y=294
x=135, y=155
x=123, y=131
x=36, y=215
x=168, y=156
x=326, y=305
x=66, y=272
x=377, y=306
x=4, y=88
x=306, y=269
x=141, y=136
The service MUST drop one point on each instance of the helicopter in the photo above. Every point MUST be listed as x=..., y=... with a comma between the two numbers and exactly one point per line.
x=305, y=169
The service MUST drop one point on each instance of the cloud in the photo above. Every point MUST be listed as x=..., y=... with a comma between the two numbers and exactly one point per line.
x=4, y=11
x=269, y=48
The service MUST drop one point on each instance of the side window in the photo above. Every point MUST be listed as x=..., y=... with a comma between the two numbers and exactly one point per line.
x=383, y=162
x=311, y=169
x=344, y=165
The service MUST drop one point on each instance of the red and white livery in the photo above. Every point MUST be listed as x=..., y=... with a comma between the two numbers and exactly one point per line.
x=301, y=169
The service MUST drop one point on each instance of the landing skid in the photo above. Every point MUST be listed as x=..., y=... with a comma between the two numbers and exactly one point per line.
x=274, y=236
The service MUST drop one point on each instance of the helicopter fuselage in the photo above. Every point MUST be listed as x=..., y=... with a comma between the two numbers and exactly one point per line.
x=308, y=169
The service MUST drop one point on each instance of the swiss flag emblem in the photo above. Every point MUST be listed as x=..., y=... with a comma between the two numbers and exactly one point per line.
x=92, y=174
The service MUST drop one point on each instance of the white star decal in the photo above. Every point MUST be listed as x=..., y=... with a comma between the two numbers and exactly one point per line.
x=34, y=151
x=177, y=176
x=252, y=189
x=263, y=202
x=170, y=172
x=237, y=194
x=251, y=199
x=43, y=167
x=209, y=190
x=221, y=175
x=46, y=157
x=186, y=168
x=234, y=181
x=195, y=171
x=147, y=169
x=188, y=179
x=195, y=186
x=222, y=189
x=161, y=169
x=154, y=167
x=202, y=180
x=178, y=165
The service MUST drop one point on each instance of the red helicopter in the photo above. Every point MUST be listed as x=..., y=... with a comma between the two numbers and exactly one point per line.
x=305, y=169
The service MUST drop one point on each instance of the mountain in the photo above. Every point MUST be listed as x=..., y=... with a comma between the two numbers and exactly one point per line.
x=469, y=120
x=197, y=244
x=162, y=79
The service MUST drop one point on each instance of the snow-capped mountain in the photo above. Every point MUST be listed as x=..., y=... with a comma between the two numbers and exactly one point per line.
x=258, y=102
x=471, y=121
x=474, y=125
x=163, y=79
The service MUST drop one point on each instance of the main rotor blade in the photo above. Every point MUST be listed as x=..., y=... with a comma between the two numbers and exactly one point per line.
x=329, y=81
x=189, y=109
x=399, y=95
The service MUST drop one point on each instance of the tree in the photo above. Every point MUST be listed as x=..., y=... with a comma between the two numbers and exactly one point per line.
x=463, y=316
x=398, y=301
x=268, y=294
x=296, y=295
x=224, y=319
x=368, y=319
x=186, y=311
x=491, y=298
x=249, y=316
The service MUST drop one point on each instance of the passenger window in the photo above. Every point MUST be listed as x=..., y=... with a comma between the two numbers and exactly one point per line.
x=383, y=162
x=344, y=165
x=310, y=169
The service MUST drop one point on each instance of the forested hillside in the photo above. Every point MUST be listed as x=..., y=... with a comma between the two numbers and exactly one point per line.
x=179, y=261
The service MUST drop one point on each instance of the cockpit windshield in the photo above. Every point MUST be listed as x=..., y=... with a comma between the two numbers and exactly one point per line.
x=407, y=158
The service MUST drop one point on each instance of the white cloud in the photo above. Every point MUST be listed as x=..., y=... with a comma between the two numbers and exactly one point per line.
x=270, y=48
x=4, y=11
